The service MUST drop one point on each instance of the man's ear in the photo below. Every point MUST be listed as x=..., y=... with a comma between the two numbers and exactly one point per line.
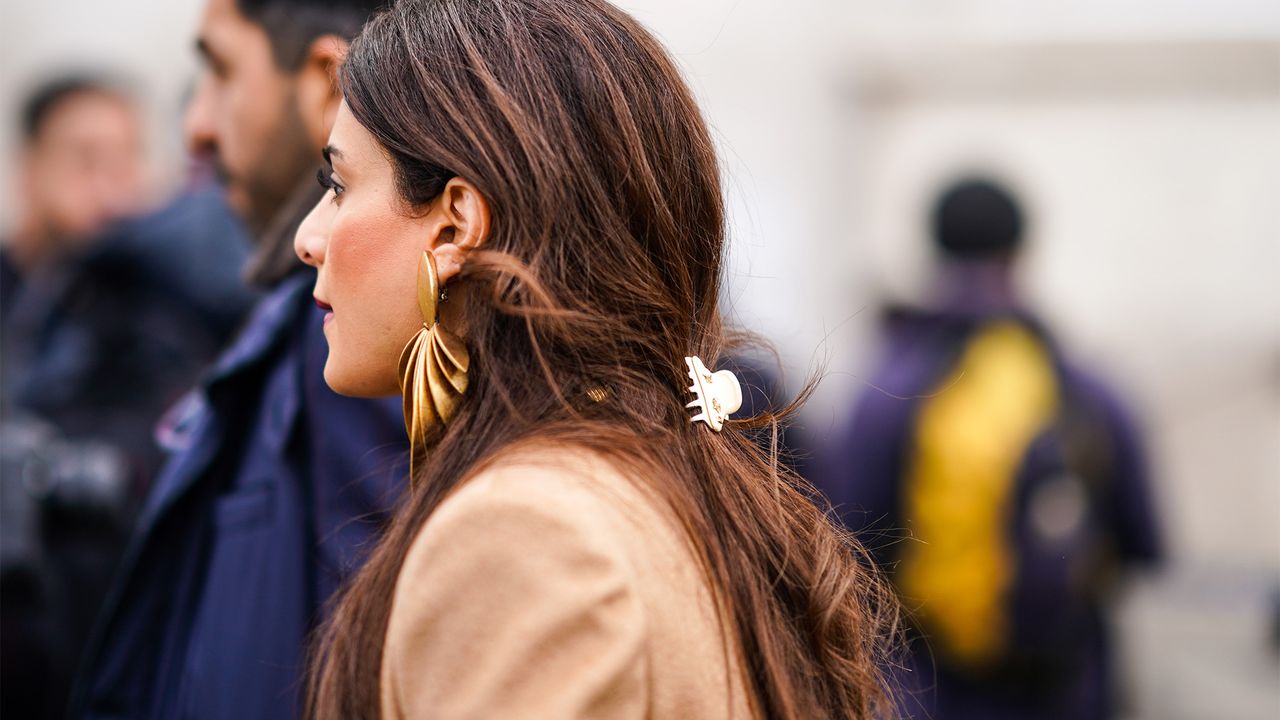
x=317, y=83
x=462, y=225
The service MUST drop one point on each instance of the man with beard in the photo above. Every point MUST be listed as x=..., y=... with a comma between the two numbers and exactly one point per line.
x=274, y=484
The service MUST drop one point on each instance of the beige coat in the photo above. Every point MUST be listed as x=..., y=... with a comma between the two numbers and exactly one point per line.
x=549, y=587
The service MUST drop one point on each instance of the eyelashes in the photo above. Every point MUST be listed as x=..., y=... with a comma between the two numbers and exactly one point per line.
x=324, y=176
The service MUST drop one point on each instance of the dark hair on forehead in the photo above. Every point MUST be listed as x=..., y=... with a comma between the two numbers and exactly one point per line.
x=292, y=25
x=45, y=98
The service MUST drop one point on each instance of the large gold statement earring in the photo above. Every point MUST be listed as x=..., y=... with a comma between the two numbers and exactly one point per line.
x=433, y=367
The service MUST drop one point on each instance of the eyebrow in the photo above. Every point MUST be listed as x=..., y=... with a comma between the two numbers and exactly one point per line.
x=204, y=50
x=330, y=152
x=209, y=55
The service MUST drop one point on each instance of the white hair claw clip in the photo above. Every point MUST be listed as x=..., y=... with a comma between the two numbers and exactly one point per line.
x=718, y=395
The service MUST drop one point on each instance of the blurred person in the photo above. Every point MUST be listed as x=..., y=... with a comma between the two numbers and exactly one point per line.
x=1001, y=485
x=274, y=484
x=103, y=324
x=81, y=167
x=532, y=256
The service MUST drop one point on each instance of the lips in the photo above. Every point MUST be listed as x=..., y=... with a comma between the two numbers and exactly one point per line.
x=328, y=312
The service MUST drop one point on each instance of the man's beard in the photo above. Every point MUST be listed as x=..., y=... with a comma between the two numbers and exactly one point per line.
x=277, y=198
x=287, y=161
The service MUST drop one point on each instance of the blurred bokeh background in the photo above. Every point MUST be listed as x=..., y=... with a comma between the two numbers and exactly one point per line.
x=1144, y=139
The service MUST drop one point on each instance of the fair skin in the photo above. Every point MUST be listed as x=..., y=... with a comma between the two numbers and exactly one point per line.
x=365, y=245
x=262, y=125
x=83, y=169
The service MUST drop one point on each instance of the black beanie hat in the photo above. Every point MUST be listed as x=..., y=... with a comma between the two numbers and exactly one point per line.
x=977, y=217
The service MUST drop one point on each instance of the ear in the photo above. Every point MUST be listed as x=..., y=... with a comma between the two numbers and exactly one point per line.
x=461, y=215
x=317, y=83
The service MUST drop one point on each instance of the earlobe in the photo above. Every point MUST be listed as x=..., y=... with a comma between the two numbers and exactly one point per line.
x=449, y=258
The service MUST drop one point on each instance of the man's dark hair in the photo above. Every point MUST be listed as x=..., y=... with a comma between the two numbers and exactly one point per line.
x=977, y=217
x=48, y=95
x=292, y=25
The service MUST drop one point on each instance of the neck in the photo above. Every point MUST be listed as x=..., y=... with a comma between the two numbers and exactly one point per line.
x=983, y=284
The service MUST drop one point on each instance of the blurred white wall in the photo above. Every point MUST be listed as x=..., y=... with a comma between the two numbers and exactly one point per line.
x=1153, y=244
x=1150, y=170
x=1145, y=136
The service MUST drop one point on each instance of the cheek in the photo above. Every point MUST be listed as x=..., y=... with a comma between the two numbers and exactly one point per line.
x=243, y=119
x=68, y=194
x=371, y=279
x=247, y=106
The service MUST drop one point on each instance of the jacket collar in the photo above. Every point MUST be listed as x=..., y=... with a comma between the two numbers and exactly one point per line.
x=269, y=324
x=197, y=429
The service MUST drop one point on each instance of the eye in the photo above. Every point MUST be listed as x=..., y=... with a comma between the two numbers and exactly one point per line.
x=324, y=176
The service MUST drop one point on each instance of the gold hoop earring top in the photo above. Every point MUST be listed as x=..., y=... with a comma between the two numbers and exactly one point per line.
x=433, y=368
x=428, y=288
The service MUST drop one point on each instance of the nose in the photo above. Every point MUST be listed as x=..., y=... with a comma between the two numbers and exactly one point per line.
x=198, y=128
x=312, y=238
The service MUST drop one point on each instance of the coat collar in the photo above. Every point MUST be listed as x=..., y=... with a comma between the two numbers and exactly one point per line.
x=269, y=324
x=197, y=426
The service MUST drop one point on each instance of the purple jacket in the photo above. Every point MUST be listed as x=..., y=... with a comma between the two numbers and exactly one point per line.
x=863, y=473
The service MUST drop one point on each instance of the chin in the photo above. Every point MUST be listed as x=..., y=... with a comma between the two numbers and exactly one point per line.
x=357, y=384
x=337, y=382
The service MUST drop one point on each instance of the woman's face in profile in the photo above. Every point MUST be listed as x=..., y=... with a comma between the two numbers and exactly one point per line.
x=365, y=246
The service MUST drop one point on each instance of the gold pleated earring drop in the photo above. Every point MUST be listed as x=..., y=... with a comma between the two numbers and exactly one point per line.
x=433, y=367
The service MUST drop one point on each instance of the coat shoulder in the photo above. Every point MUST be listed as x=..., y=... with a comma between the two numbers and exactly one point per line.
x=514, y=585
x=574, y=487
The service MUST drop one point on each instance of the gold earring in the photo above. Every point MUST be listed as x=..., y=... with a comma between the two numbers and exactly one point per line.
x=433, y=367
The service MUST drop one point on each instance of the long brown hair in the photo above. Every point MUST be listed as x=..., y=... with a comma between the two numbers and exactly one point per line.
x=601, y=272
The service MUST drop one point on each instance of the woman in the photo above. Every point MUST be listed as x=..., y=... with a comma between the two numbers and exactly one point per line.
x=572, y=544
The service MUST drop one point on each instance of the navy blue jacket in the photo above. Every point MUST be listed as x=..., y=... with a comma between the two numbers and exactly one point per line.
x=273, y=494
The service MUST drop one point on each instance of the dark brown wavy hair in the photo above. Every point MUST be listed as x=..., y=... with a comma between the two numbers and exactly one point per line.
x=601, y=272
